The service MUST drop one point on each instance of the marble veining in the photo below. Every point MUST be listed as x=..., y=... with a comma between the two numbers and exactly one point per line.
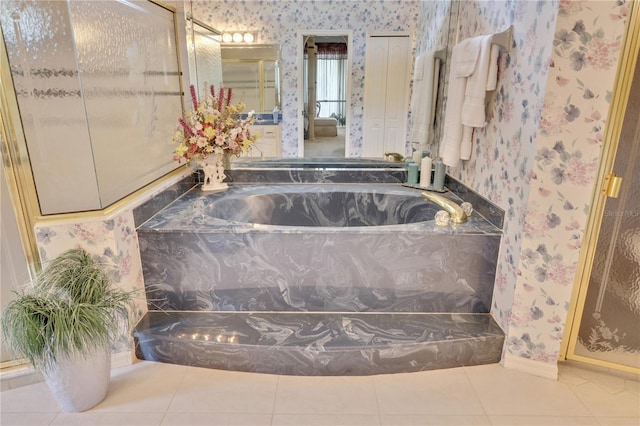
x=319, y=344
x=317, y=278
x=197, y=211
x=205, y=252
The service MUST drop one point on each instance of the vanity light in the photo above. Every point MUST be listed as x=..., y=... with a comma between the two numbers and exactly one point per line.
x=239, y=37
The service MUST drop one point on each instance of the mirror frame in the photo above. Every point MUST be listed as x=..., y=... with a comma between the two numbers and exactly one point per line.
x=300, y=88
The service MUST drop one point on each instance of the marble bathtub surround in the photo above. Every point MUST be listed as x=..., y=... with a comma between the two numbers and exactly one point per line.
x=319, y=343
x=202, y=253
x=315, y=170
x=481, y=205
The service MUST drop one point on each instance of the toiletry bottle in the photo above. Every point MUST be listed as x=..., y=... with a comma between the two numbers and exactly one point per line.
x=438, y=176
x=412, y=174
x=417, y=158
x=425, y=172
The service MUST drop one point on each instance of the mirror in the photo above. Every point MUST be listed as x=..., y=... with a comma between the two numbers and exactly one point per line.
x=253, y=72
x=282, y=23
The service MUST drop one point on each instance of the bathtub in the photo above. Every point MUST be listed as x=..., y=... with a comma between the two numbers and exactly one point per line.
x=315, y=247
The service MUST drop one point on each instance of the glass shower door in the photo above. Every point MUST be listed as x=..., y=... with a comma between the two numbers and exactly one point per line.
x=609, y=328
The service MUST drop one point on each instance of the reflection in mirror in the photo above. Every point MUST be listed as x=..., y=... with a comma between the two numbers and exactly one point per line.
x=252, y=71
x=325, y=91
x=282, y=23
x=205, y=59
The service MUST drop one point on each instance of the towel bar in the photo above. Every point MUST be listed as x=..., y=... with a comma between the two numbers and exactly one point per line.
x=504, y=39
x=441, y=54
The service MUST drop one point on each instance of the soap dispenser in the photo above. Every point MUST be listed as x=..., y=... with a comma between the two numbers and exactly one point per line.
x=438, y=175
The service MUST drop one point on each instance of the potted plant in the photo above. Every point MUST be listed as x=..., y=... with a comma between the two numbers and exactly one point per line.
x=64, y=322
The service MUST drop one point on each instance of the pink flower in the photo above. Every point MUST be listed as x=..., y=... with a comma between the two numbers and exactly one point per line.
x=579, y=172
x=603, y=55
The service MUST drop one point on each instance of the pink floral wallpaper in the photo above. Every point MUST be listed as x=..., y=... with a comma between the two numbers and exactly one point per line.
x=113, y=242
x=537, y=158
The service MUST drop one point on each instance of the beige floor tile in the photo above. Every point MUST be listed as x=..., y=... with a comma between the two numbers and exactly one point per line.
x=431, y=392
x=604, y=404
x=208, y=390
x=144, y=386
x=29, y=399
x=433, y=420
x=619, y=421
x=326, y=395
x=509, y=392
x=96, y=418
x=632, y=386
x=543, y=421
x=328, y=420
x=214, y=419
x=26, y=419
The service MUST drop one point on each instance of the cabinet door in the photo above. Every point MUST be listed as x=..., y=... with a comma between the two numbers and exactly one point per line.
x=386, y=95
x=268, y=143
x=375, y=92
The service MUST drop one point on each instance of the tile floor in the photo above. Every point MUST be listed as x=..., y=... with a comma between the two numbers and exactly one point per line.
x=148, y=393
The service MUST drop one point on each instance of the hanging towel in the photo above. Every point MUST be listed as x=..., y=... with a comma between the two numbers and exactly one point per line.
x=452, y=129
x=473, y=109
x=492, y=75
x=483, y=79
x=422, y=111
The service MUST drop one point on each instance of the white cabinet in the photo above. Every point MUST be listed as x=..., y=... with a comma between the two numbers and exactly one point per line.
x=386, y=94
x=268, y=143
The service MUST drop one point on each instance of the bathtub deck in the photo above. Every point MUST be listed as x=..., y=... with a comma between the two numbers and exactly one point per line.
x=303, y=343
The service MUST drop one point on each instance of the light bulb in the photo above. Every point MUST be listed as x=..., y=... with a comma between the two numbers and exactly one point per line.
x=248, y=38
x=237, y=37
x=227, y=38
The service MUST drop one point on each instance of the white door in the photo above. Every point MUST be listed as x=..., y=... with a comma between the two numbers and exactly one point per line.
x=386, y=94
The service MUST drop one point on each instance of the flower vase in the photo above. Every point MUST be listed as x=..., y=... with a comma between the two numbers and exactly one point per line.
x=213, y=167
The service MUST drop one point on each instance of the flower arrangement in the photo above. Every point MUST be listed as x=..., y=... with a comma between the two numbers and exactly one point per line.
x=213, y=126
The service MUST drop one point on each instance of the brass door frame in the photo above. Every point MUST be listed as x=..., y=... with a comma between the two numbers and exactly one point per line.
x=624, y=77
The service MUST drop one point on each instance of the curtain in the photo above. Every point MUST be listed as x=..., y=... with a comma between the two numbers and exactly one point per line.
x=331, y=88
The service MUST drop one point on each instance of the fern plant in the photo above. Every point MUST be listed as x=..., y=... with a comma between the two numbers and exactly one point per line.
x=69, y=308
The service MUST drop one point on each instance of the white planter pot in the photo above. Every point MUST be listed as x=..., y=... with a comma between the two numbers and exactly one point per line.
x=81, y=381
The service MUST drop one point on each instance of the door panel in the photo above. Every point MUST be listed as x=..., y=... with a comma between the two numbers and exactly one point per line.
x=386, y=95
x=609, y=328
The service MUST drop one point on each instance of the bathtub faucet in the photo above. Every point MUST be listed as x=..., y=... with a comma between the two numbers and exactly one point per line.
x=455, y=211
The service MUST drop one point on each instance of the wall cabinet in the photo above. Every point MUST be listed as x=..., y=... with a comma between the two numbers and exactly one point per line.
x=269, y=142
x=386, y=94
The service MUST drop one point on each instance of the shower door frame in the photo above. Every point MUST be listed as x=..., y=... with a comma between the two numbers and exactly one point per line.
x=630, y=54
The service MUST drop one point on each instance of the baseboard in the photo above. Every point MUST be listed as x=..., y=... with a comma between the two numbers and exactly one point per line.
x=121, y=359
x=536, y=368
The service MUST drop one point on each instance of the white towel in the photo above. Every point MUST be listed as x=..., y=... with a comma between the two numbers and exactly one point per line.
x=473, y=108
x=483, y=79
x=452, y=129
x=492, y=75
x=474, y=70
x=422, y=104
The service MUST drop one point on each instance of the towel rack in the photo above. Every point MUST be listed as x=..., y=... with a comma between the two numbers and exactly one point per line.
x=441, y=54
x=504, y=39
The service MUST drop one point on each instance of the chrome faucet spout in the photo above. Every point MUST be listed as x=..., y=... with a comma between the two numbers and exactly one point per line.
x=455, y=211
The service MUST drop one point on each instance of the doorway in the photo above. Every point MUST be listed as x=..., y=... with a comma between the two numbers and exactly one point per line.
x=605, y=325
x=324, y=93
